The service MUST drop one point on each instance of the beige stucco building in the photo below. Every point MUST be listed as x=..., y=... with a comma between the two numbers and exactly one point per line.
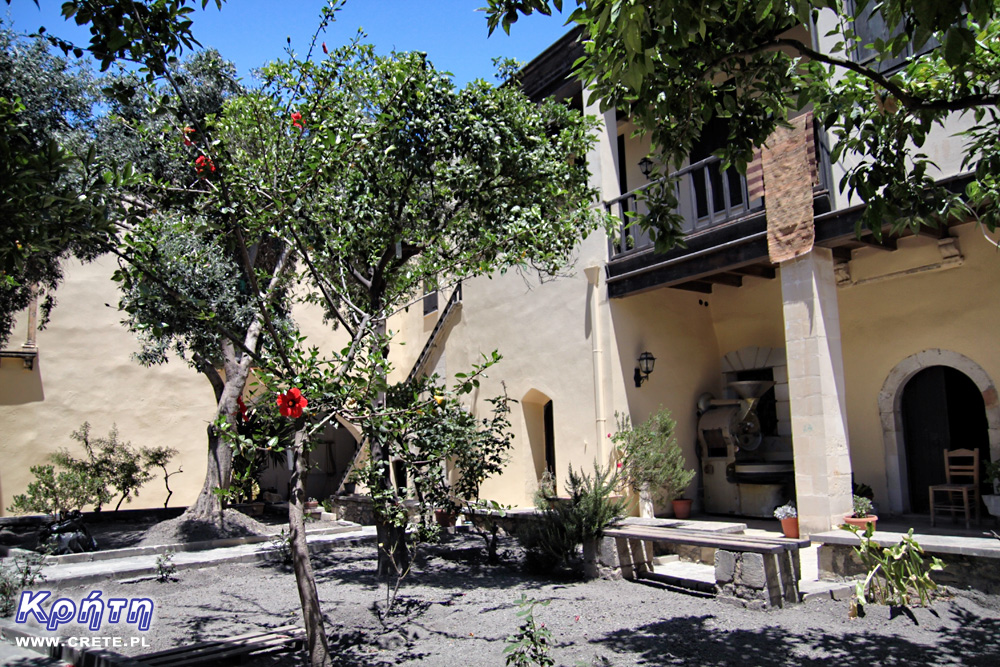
x=880, y=354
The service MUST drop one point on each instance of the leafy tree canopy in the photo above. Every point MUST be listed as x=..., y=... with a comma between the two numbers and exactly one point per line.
x=51, y=193
x=676, y=65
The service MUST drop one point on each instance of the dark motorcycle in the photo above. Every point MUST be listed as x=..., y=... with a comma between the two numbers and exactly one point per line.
x=66, y=535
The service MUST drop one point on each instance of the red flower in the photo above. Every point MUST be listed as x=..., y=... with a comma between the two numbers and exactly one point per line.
x=203, y=163
x=291, y=404
x=297, y=120
x=243, y=408
x=187, y=138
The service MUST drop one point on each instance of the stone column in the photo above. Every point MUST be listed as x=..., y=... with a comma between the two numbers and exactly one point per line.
x=816, y=390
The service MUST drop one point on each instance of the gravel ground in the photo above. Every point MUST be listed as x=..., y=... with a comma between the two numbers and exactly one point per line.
x=185, y=529
x=453, y=610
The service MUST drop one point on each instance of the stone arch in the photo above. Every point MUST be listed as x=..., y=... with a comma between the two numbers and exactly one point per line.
x=890, y=413
x=753, y=357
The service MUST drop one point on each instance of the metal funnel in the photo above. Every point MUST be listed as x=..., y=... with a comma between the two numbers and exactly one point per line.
x=750, y=391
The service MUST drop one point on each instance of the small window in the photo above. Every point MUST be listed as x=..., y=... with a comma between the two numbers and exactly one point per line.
x=874, y=27
x=430, y=297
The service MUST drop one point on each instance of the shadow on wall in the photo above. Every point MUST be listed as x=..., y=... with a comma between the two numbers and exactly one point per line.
x=19, y=385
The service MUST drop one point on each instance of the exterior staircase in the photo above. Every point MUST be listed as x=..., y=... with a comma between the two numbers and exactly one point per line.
x=454, y=302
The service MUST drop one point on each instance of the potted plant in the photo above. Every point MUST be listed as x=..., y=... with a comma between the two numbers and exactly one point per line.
x=789, y=518
x=311, y=504
x=862, y=515
x=445, y=516
x=651, y=461
x=992, y=500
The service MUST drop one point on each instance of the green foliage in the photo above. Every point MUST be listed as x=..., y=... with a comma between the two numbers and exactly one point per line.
x=159, y=457
x=165, y=567
x=592, y=507
x=57, y=493
x=897, y=575
x=146, y=32
x=563, y=524
x=51, y=194
x=281, y=547
x=16, y=574
x=673, y=67
x=650, y=456
x=545, y=494
x=862, y=507
x=529, y=646
x=993, y=475
x=110, y=469
x=447, y=450
x=116, y=466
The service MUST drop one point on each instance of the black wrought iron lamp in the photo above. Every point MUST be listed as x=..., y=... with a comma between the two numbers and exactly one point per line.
x=646, y=166
x=645, y=367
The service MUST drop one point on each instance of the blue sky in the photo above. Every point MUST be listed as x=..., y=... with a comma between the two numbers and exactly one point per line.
x=252, y=32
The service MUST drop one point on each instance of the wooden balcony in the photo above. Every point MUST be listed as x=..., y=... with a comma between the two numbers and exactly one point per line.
x=725, y=234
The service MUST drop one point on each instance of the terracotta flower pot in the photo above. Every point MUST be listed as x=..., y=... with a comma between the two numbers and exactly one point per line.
x=445, y=518
x=790, y=526
x=861, y=522
x=682, y=508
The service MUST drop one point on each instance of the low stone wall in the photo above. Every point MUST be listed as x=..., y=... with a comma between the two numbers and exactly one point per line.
x=969, y=562
x=356, y=508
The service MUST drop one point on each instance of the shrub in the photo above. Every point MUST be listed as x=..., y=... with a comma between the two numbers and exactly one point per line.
x=159, y=457
x=650, y=457
x=896, y=575
x=117, y=465
x=529, y=646
x=592, y=508
x=111, y=469
x=165, y=567
x=17, y=574
x=565, y=524
x=57, y=493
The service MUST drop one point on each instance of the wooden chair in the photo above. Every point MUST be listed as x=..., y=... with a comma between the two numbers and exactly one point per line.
x=962, y=478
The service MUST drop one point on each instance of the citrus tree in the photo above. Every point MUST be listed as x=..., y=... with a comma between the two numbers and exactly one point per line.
x=674, y=66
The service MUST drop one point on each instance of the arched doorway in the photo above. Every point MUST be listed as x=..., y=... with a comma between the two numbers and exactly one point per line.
x=942, y=409
x=907, y=497
x=539, y=422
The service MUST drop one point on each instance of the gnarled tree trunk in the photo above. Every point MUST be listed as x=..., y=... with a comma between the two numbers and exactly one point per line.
x=208, y=505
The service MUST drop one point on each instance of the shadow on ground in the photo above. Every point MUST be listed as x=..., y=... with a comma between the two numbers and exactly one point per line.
x=692, y=640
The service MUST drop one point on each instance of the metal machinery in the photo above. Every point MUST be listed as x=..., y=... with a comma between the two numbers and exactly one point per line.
x=743, y=472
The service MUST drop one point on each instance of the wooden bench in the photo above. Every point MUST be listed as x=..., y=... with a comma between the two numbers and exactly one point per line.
x=759, y=571
x=231, y=649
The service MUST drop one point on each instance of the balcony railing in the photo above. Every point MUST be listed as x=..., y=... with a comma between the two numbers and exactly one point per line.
x=707, y=197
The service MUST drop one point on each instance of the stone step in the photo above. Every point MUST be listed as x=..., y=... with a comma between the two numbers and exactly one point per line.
x=695, y=577
x=664, y=560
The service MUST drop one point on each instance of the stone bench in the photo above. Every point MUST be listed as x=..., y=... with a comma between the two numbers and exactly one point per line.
x=758, y=572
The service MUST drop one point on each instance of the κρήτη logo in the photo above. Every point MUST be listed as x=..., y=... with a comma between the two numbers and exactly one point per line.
x=92, y=611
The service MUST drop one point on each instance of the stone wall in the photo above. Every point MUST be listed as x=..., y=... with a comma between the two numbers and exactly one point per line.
x=838, y=561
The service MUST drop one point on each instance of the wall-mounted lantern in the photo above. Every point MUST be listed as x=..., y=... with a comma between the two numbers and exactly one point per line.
x=646, y=166
x=645, y=367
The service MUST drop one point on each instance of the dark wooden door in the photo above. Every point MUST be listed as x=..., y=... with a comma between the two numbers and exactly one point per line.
x=550, y=441
x=942, y=409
